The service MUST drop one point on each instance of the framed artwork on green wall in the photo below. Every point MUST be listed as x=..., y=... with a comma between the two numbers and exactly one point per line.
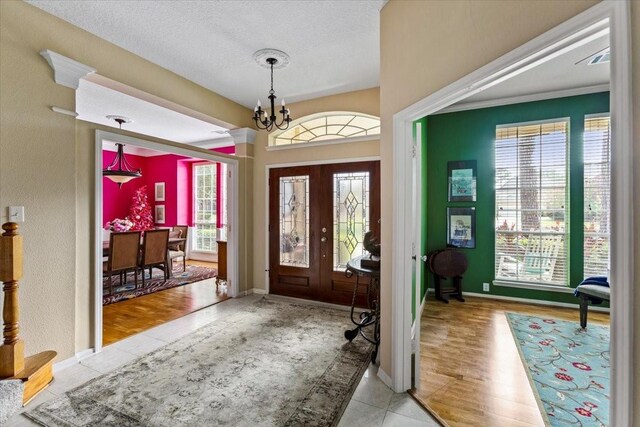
x=462, y=180
x=461, y=227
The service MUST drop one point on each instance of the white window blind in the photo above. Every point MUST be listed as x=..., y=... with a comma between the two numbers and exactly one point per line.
x=597, y=196
x=531, y=202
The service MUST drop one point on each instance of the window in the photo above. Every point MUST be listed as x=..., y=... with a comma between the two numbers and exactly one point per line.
x=531, y=202
x=205, y=210
x=327, y=126
x=597, y=196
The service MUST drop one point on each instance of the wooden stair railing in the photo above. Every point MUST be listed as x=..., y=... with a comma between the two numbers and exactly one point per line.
x=35, y=371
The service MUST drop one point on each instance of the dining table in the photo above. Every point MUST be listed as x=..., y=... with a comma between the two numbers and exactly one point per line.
x=172, y=241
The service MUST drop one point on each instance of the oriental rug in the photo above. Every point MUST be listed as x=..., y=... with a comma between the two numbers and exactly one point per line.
x=273, y=363
x=154, y=283
x=568, y=368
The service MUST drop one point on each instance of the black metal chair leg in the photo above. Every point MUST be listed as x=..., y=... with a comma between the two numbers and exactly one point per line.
x=584, y=308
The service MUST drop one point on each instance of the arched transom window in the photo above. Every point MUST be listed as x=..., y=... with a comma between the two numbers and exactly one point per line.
x=325, y=127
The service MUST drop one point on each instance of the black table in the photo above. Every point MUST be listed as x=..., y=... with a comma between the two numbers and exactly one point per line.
x=372, y=315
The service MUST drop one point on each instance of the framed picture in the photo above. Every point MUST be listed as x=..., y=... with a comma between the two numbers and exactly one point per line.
x=159, y=193
x=462, y=180
x=159, y=214
x=461, y=227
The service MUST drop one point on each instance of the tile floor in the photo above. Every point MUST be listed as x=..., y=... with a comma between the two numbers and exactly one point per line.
x=372, y=404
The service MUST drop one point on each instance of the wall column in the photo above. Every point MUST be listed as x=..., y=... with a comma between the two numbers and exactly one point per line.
x=243, y=139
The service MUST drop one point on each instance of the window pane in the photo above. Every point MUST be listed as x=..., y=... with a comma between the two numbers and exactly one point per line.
x=531, y=202
x=205, y=208
x=327, y=127
x=294, y=221
x=350, y=216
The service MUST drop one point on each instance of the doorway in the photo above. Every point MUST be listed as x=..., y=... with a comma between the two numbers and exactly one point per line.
x=318, y=217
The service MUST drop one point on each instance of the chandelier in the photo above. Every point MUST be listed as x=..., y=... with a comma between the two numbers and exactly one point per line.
x=120, y=171
x=271, y=58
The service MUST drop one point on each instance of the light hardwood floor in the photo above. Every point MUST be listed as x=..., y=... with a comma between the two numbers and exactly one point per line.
x=470, y=371
x=126, y=318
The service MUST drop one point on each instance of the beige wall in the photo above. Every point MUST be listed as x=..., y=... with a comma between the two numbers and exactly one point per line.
x=362, y=101
x=45, y=164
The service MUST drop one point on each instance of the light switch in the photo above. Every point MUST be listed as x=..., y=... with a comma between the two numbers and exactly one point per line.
x=16, y=213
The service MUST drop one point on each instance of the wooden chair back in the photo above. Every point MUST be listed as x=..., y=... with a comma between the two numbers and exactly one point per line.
x=154, y=247
x=184, y=233
x=124, y=249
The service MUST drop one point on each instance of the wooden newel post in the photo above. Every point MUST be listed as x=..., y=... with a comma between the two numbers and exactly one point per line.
x=12, y=349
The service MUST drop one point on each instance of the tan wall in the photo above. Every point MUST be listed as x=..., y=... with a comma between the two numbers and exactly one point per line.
x=363, y=101
x=45, y=165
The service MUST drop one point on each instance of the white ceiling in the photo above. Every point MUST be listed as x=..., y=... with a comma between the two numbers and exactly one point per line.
x=333, y=44
x=95, y=102
x=567, y=71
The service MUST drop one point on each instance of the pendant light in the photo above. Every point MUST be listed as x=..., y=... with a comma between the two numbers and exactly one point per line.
x=120, y=171
x=271, y=58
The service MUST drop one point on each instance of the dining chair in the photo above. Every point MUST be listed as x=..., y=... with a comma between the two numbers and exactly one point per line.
x=155, y=252
x=178, y=250
x=124, y=249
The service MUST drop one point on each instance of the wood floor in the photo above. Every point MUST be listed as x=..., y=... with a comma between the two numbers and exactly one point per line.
x=470, y=371
x=126, y=318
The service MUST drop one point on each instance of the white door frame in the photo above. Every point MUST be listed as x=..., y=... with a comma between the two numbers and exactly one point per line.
x=615, y=15
x=232, y=213
x=266, y=197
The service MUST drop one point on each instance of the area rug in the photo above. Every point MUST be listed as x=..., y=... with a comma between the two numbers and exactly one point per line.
x=156, y=283
x=273, y=363
x=568, y=368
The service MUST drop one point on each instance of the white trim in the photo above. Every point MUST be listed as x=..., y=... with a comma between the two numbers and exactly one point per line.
x=63, y=111
x=66, y=71
x=256, y=291
x=535, y=286
x=386, y=379
x=535, y=301
x=363, y=138
x=185, y=150
x=597, y=115
x=418, y=316
x=525, y=98
x=67, y=363
x=567, y=120
x=243, y=135
x=323, y=162
x=616, y=14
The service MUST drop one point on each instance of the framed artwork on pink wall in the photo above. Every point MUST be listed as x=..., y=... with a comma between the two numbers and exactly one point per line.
x=159, y=192
x=159, y=214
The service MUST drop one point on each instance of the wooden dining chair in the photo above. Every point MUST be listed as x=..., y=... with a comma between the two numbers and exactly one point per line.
x=124, y=249
x=155, y=252
x=179, y=250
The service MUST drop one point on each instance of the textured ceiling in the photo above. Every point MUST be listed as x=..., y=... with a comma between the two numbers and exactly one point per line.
x=333, y=44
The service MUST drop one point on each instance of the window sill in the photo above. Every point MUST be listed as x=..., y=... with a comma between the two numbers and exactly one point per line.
x=346, y=140
x=533, y=286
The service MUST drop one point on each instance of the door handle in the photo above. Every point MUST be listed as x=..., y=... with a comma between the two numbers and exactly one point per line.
x=423, y=258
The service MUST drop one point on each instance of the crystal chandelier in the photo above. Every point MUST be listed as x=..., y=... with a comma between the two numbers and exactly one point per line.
x=264, y=120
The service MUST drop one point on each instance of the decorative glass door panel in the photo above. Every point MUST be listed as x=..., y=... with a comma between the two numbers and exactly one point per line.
x=294, y=221
x=350, y=216
x=318, y=216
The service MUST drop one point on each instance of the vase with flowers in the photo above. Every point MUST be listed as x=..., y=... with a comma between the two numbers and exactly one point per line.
x=118, y=225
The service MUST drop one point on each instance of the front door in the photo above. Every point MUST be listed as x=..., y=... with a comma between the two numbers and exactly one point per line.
x=318, y=216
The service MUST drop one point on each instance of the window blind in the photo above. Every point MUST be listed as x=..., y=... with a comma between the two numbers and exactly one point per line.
x=531, y=202
x=597, y=196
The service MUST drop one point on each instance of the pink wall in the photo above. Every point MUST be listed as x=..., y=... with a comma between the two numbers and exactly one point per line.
x=174, y=170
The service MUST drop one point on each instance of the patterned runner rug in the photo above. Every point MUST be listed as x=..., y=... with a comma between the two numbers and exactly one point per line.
x=272, y=363
x=154, y=284
x=568, y=368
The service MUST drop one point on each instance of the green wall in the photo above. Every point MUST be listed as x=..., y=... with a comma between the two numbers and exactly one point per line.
x=470, y=135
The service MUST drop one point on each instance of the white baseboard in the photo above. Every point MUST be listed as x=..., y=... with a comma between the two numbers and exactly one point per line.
x=256, y=291
x=534, y=301
x=67, y=363
x=386, y=379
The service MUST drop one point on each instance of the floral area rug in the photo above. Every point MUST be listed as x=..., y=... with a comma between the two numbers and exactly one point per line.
x=272, y=363
x=568, y=368
x=153, y=284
